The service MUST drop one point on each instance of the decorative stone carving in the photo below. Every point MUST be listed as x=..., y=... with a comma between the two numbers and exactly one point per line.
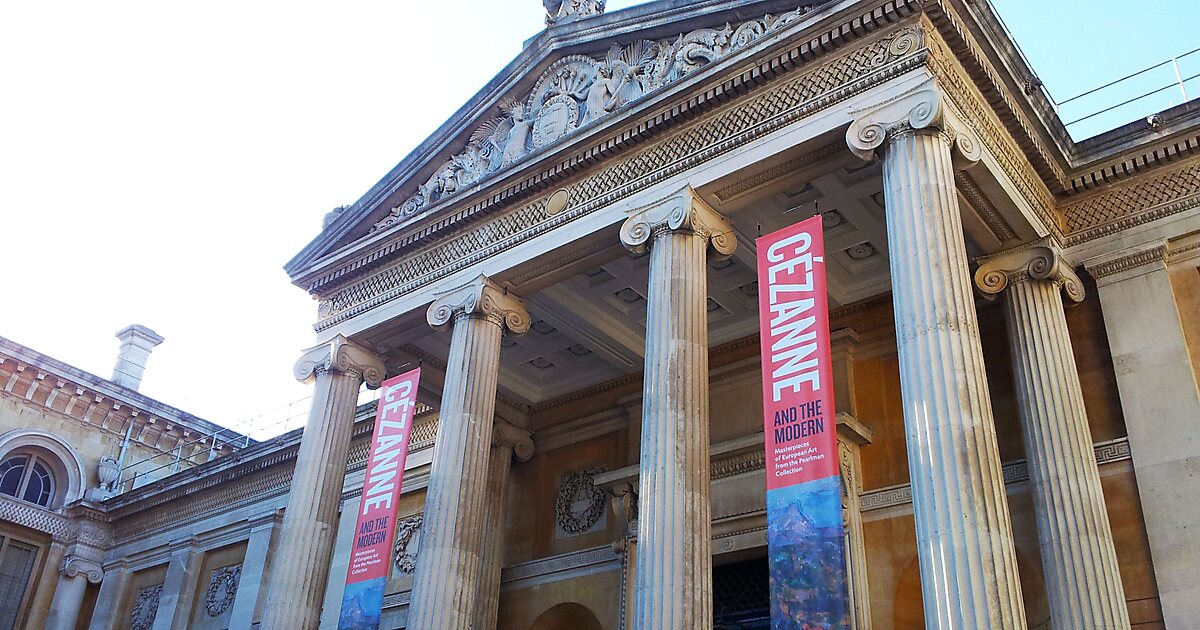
x=505, y=434
x=684, y=211
x=73, y=566
x=222, y=589
x=1041, y=261
x=577, y=90
x=145, y=607
x=340, y=355
x=922, y=108
x=480, y=298
x=560, y=10
x=579, y=504
x=408, y=544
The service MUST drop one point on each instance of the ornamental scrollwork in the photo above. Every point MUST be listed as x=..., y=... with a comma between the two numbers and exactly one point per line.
x=559, y=10
x=408, y=544
x=222, y=589
x=579, y=503
x=145, y=607
x=576, y=91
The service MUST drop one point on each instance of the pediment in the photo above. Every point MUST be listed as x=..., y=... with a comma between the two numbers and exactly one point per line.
x=593, y=71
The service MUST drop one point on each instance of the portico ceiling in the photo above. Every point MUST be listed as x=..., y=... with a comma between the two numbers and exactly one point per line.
x=589, y=317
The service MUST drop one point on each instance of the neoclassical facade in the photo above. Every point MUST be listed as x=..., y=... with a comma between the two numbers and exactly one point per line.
x=571, y=261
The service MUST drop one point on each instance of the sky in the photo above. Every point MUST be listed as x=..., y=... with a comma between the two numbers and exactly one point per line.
x=161, y=161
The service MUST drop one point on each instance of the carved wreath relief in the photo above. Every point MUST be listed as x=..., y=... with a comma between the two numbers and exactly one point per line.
x=222, y=588
x=145, y=607
x=579, y=504
x=577, y=90
x=408, y=544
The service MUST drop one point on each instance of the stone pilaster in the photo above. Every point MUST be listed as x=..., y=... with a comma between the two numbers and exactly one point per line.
x=507, y=441
x=674, y=559
x=1160, y=399
x=1079, y=561
x=179, y=587
x=852, y=435
x=106, y=614
x=301, y=562
x=254, y=571
x=445, y=585
x=964, y=537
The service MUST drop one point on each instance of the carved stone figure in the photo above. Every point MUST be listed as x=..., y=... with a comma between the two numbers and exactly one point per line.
x=576, y=90
x=559, y=10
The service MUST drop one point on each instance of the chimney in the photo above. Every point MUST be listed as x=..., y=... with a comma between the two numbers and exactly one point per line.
x=136, y=343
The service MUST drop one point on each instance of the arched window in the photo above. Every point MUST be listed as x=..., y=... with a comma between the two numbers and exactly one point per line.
x=27, y=476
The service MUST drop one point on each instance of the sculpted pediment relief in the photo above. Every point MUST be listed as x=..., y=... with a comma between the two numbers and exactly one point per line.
x=575, y=91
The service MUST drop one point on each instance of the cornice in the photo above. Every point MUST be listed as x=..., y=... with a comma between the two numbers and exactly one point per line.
x=773, y=56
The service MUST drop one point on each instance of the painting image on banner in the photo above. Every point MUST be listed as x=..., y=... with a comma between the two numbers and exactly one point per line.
x=804, y=496
x=370, y=555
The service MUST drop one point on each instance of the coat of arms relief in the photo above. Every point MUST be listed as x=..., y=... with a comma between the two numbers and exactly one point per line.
x=576, y=91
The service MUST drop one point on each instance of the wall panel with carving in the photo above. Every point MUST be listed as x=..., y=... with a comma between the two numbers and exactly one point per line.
x=220, y=577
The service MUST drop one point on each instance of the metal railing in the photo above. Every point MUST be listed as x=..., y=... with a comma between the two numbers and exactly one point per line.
x=260, y=427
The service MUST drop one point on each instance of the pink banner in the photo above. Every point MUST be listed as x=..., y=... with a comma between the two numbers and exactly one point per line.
x=362, y=600
x=804, y=506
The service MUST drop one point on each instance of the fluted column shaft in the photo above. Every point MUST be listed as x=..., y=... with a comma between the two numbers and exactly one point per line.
x=488, y=606
x=447, y=578
x=673, y=581
x=1079, y=560
x=674, y=563
x=301, y=565
x=964, y=538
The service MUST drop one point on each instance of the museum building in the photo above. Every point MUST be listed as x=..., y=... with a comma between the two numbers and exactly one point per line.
x=571, y=261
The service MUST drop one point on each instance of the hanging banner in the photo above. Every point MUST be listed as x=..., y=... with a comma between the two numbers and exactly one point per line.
x=370, y=556
x=804, y=499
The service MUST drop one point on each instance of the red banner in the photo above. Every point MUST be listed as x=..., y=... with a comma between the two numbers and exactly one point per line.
x=362, y=600
x=804, y=507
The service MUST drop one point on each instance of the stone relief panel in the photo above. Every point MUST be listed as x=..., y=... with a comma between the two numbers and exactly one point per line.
x=145, y=607
x=579, y=504
x=577, y=90
x=408, y=544
x=222, y=588
x=559, y=10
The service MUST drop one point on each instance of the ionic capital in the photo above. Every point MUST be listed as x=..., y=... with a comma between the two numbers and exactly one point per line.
x=683, y=211
x=73, y=566
x=342, y=356
x=520, y=440
x=912, y=111
x=1041, y=261
x=483, y=299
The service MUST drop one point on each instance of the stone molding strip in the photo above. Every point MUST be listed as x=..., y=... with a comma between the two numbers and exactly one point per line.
x=1132, y=261
x=1014, y=472
x=594, y=560
x=34, y=517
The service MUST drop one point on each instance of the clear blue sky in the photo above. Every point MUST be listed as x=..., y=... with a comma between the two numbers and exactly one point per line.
x=160, y=161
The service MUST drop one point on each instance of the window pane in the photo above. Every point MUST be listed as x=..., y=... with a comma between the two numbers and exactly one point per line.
x=16, y=563
x=11, y=471
x=39, y=487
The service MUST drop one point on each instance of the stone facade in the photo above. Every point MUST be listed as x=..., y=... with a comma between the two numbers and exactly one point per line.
x=581, y=237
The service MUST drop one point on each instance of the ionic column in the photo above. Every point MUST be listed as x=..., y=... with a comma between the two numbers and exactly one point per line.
x=301, y=563
x=254, y=569
x=964, y=538
x=446, y=581
x=75, y=573
x=674, y=561
x=1079, y=561
x=507, y=441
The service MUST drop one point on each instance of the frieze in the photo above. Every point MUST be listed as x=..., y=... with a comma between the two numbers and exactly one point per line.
x=1013, y=472
x=1132, y=261
x=575, y=91
x=34, y=517
x=555, y=564
x=222, y=589
x=887, y=56
x=1180, y=185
